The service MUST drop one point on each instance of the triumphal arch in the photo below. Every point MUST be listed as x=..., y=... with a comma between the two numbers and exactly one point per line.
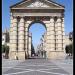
x=47, y=12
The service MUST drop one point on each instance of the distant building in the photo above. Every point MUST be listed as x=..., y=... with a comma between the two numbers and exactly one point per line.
x=5, y=37
x=41, y=47
x=68, y=38
x=71, y=36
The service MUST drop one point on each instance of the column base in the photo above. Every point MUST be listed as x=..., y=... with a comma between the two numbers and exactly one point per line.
x=12, y=55
x=18, y=56
x=26, y=54
x=21, y=55
x=55, y=54
x=29, y=52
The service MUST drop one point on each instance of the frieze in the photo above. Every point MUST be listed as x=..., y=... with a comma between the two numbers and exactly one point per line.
x=38, y=14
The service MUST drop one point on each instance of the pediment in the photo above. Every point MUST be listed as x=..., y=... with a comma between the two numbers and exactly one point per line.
x=37, y=4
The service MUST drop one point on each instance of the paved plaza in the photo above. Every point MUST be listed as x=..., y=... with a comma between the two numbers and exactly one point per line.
x=37, y=67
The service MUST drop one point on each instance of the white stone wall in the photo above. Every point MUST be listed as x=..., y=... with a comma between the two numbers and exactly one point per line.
x=14, y=33
x=53, y=40
x=29, y=45
x=21, y=34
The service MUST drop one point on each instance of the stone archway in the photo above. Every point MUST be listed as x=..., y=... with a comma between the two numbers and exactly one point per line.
x=23, y=14
x=40, y=23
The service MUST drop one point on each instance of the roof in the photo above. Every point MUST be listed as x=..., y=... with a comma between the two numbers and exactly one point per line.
x=27, y=2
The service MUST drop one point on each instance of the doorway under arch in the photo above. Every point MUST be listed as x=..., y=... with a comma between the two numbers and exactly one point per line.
x=37, y=31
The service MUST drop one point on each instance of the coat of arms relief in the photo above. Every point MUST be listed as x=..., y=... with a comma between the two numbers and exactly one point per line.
x=38, y=4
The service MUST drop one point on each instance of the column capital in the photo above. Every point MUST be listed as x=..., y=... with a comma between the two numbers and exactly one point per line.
x=11, y=14
x=51, y=19
x=11, y=17
x=59, y=19
x=63, y=19
x=15, y=19
x=14, y=16
x=21, y=19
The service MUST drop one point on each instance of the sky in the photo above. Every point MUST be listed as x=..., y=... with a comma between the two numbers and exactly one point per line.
x=38, y=29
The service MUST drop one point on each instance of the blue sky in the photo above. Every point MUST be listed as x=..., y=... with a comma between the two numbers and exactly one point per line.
x=37, y=30
x=34, y=28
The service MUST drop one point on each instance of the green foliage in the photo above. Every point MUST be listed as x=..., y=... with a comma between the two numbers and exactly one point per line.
x=69, y=49
x=7, y=49
x=3, y=48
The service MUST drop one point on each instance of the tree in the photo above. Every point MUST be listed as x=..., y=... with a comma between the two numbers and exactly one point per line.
x=69, y=49
x=6, y=51
x=3, y=48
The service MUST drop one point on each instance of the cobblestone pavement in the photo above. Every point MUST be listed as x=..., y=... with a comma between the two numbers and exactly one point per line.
x=66, y=64
x=33, y=67
x=8, y=64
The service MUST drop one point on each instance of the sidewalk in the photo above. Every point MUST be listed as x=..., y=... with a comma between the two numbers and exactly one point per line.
x=7, y=64
x=66, y=64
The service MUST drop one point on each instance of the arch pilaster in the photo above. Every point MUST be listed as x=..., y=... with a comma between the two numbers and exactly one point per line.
x=13, y=38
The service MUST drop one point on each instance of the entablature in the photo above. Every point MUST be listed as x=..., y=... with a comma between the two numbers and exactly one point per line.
x=38, y=14
x=37, y=10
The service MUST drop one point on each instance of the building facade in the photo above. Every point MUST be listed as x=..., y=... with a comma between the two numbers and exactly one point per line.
x=5, y=37
x=48, y=13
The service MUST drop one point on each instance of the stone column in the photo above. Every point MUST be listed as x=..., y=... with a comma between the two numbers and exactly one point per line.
x=50, y=38
x=26, y=39
x=11, y=32
x=13, y=38
x=59, y=38
x=63, y=35
x=21, y=33
x=59, y=35
x=29, y=44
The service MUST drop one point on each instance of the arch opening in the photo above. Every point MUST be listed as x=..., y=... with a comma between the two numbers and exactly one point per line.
x=37, y=21
x=37, y=30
